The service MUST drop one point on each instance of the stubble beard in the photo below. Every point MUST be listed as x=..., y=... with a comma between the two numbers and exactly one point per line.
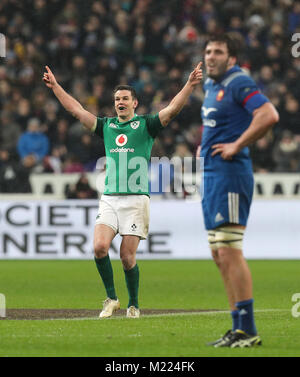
x=222, y=68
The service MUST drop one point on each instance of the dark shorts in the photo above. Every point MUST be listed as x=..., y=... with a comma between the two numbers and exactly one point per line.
x=226, y=199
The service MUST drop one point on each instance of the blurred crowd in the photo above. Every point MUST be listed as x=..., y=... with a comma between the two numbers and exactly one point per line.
x=153, y=45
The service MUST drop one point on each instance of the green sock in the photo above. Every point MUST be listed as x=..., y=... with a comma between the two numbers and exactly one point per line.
x=106, y=272
x=132, y=282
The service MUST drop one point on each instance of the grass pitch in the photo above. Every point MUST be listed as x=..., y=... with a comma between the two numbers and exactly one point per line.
x=189, y=285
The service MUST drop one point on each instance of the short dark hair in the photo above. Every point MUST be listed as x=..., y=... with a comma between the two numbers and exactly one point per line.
x=126, y=87
x=232, y=43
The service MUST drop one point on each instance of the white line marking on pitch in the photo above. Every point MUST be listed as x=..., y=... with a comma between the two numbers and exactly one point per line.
x=162, y=315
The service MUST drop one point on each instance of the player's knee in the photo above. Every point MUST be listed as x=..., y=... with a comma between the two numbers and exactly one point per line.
x=101, y=248
x=224, y=259
x=128, y=260
x=222, y=240
x=216, y=258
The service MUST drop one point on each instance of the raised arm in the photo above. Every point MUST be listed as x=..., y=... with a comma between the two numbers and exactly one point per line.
x=68, y=102
x=177, y=103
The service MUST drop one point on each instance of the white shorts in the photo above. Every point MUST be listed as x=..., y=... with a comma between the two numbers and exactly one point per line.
x=125, y=214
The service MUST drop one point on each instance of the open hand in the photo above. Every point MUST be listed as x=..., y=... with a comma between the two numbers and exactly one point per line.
x=227, y=150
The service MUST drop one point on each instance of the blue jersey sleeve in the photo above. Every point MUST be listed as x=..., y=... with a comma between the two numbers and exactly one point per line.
x=246, y=93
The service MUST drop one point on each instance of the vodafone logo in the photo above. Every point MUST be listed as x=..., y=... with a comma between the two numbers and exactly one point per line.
x=121, y=140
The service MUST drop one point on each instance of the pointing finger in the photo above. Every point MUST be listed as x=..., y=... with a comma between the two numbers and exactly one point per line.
x=199, y=65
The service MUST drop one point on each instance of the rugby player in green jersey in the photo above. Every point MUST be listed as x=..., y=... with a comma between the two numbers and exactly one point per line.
x=124, y=205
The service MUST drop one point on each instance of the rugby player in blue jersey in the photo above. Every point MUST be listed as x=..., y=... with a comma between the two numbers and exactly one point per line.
x=235, y=114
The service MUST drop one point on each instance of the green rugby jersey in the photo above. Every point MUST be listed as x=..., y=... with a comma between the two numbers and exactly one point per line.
x=128, y=148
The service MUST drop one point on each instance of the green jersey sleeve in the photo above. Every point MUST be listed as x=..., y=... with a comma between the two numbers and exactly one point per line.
x=154, y=125
x=98, y=129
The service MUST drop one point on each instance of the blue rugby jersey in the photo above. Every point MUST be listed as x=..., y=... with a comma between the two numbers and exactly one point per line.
x=226, y=113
